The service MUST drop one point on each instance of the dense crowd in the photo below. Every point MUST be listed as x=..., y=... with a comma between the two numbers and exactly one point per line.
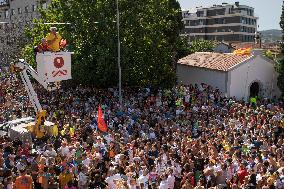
x=187, y=137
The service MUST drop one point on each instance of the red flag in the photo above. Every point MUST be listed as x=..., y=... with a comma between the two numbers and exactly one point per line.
x=101, y=122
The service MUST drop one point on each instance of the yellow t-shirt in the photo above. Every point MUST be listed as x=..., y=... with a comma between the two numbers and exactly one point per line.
x=64, y=179
x=55, y=46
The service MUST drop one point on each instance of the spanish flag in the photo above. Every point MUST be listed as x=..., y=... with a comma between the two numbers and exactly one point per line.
x=101, y=122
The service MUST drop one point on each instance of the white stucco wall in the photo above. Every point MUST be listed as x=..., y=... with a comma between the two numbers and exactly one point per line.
x=194, y=75
x=258, y=69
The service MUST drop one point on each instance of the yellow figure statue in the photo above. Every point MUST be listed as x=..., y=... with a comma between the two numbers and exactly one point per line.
x=53, y=39
x=40, y=118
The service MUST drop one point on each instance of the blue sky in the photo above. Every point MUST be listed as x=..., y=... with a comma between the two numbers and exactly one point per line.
x=268, y=11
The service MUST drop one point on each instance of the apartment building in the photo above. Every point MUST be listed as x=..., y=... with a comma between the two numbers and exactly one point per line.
x=15, y=15
x=227, y=22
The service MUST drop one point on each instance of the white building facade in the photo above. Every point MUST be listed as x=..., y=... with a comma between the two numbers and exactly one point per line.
x=15, y=15
x=225, y=22
x=245, y=77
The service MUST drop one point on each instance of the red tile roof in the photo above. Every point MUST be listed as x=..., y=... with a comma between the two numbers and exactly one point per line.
x=214, y=61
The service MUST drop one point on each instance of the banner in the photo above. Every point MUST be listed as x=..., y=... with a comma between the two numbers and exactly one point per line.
x=54, y=67
x=101, y=122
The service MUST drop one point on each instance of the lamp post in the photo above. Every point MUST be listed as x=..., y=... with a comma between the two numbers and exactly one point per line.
x=118, y=55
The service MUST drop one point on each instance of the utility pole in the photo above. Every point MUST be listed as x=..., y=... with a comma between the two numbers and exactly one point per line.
x=118, y=55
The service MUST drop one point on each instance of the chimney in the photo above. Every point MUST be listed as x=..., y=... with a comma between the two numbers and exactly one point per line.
x=237, y=3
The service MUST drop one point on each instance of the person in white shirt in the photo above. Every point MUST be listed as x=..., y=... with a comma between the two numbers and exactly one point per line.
x=83, y=178
x=100, y=143
x=50, y=151
x=164, y=184
x=144, y=179
x=64, y=150
x=171, y=179
x=152, y=134
x=20, y=165
x=110, y=180
x=132, y=183
x=86, y=160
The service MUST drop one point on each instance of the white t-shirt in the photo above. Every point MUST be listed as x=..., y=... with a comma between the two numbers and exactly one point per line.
x=86, y=162
x=130, y=154
x=171, y=181
x=110, y=180
x=64, y=151
x=108, y=139
x=186, y=98
x=145, y=180
x=152, y=135
x=177, y=170
x=20, y=166
x=82, y=178
x=9, y=186
x=164, y=185
x=50, y=153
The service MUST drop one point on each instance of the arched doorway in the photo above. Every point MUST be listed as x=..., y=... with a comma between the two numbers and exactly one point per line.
x=254, y=89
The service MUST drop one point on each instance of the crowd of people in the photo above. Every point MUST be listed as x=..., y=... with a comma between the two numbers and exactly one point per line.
x=184, y=138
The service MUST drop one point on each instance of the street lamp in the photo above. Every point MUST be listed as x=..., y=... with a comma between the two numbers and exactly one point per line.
x=118, y=55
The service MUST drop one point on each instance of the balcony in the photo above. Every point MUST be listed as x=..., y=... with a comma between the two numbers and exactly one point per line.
x=4, y=4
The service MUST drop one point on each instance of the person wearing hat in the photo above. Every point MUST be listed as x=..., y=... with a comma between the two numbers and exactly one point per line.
x=53, y=40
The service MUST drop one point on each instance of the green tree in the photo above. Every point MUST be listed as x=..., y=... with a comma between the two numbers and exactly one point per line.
x=184, y=47
x=280, y=67
x=268, y=54
x=282, y=26
x=280, y=81
x=201, y=46
x=149, y=39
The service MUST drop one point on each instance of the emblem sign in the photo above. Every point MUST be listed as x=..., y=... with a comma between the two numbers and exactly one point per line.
x=53, y=67
x=59, y=63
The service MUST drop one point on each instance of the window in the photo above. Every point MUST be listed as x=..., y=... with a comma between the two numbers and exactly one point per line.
x=216, y=21
x=13, y=12
x=19, y=10
x=34, y=8
x=44, y=5
x=200, y=14
x=6, y=14
x=26, y=9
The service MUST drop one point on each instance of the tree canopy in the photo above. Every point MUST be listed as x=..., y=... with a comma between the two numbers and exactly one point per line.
x=280, y=67
x=149, y=35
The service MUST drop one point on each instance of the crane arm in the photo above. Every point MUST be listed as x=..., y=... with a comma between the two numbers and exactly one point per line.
x=30, y=90
x=22, y=65
x=23, y=69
